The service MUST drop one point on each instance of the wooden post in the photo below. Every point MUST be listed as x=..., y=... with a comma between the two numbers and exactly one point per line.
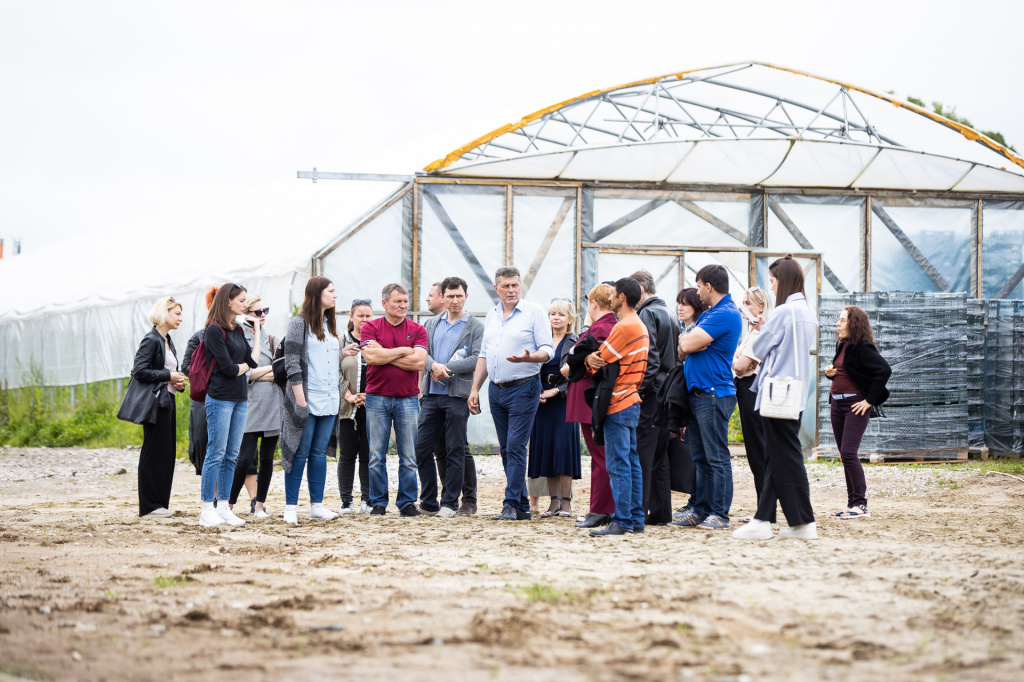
x=980, y=241
x=579, y=252
x=415, y=293
x=508, y=225
x=867, y=243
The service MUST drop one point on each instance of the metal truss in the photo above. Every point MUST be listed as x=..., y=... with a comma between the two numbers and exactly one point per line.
x=673, y=108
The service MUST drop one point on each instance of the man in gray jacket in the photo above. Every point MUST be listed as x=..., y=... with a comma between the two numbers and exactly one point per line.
x=652, y=441
x=454, y=339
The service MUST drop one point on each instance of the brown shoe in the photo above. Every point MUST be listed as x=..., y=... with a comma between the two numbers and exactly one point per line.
x=467, y=509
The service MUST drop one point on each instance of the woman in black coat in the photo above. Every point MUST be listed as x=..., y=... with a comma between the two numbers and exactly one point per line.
x=156, y=363
x=859, y=374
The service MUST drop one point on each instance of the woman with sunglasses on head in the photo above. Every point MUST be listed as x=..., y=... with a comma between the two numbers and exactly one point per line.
x=353, y=438
x=156, y=367
x=744, y=371
x=554, y=455
x=858, y=374
x=229, y=358
x=263, y=419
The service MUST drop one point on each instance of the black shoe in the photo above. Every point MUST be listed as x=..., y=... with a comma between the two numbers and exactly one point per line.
x=594, y=520
x=410, y=510
x=612, y=529
x=507, y=514
x=639, y=530
x=378, y=511
x=524, y=516
x=252, y=506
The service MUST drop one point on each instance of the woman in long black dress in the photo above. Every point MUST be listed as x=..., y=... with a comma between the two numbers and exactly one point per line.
x=555, y=443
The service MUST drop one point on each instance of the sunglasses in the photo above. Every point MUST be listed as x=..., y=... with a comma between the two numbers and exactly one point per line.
x=568, y=300
x=261, y=312
x=361, y=301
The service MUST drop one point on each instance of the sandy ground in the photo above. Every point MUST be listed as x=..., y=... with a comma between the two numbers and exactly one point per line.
x=932, y=587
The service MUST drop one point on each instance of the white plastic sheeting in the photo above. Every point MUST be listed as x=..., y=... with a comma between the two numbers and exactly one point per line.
x=1003, y=249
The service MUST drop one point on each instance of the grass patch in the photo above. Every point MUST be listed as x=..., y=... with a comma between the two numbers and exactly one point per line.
x=165, y=581
x=1006, y=465
x=546, y=592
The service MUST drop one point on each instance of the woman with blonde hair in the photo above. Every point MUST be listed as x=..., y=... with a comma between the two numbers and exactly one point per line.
x=156, y=364
x=262, y=419
x=555, y=442
x=744, y=371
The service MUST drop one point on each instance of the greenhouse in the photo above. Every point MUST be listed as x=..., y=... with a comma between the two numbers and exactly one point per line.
x=734, y=165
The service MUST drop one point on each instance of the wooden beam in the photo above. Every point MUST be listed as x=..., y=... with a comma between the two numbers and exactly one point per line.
x=1012, y=283
x=804, y=243
x=715, y=220
x=508, y=226
x=545, y=245
x=914, y=252
x=461, y=244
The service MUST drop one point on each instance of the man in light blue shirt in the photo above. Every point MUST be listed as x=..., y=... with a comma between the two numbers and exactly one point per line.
x=517, y=341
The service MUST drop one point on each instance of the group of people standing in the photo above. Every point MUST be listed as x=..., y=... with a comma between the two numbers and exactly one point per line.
x=650, y=391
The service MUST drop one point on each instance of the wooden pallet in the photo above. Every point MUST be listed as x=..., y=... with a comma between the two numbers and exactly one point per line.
x=942, y=456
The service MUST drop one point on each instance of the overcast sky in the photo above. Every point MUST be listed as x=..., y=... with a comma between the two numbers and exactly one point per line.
x=132, y=115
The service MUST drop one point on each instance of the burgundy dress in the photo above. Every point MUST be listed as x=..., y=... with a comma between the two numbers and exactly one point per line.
x=577, y=410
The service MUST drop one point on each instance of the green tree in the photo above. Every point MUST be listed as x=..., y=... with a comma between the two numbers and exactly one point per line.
x=950, y=113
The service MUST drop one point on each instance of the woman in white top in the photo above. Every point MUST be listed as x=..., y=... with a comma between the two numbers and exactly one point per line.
x=744, y=371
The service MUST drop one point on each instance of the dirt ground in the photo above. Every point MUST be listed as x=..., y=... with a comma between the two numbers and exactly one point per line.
x=932, y=587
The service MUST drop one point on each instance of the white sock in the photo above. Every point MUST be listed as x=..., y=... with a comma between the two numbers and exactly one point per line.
x=291, y=507
x=207, y=505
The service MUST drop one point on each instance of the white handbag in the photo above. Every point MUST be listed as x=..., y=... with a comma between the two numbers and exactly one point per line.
x=783, y=397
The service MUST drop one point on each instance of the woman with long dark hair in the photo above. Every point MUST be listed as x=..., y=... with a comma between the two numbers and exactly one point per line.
x=353, y=438
x=312, y=352
x=784, y=347
x=156, y=363
x=229, y=356
x=858, y=374
x=262, y=420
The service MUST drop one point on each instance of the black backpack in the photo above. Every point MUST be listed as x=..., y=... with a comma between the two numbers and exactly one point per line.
x=280, y=372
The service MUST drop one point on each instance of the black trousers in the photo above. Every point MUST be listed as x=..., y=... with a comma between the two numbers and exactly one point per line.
x=245, y=465
x=469, y=470
x=785, y=478
x=652, y=446
x=156, y=461
x=753, y=430
x=353, y=442
x=441, y=415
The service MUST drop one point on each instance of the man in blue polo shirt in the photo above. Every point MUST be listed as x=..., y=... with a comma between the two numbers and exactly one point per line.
x=708, y=351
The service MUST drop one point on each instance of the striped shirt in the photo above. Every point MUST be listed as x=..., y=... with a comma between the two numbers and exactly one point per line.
x=627, y=345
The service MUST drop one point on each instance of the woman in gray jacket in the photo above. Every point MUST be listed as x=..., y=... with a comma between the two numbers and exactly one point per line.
x=353, y=438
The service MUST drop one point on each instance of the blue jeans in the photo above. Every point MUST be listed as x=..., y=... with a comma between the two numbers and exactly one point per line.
x=225, y=424
x=312, y=445
x=623, y=464
x=708, y=434
x=513, y=410
x=383, y=411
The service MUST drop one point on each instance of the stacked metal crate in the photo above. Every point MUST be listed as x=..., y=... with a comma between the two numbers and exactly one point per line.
x=1004, y=377
x=976, y=374
x=924, y=339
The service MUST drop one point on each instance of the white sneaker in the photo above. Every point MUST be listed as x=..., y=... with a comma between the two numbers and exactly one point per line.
x=364, y=508
x=446, y=513
x=346, y=509
x=210, y=517
x=229, y=516
x=807, y=531
x=755, y=530
x=291, y=514
x=160, y=513
x=319, y=511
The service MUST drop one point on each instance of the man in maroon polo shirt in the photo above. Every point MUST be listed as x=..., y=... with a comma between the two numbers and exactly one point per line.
x=395, y=349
